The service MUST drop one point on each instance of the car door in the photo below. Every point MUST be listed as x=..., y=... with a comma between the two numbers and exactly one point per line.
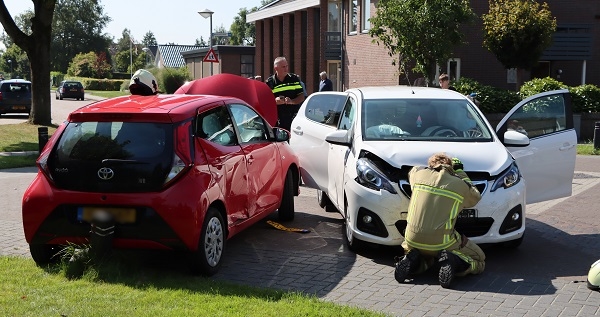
x=226, y=160
x=264, y=178
x=548, y=162
x=338, y=154
x=318, y=116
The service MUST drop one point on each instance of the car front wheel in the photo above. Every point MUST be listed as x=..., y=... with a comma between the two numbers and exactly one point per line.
x=286, y=210
x=44, y=254
x=207, y=259
x=353, y=244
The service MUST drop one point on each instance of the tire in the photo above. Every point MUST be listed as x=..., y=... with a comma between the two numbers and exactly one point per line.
x=44, y=254
x=325, y=202
x=60, y=97
x=286, y=209
x=211, y=247
x=353, y=244
x=56, y=96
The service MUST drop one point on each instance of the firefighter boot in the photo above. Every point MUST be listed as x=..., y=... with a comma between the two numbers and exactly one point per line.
x=408, y=264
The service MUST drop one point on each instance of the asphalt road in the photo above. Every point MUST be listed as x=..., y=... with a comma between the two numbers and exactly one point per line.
x=545, y=276
x=60, y=109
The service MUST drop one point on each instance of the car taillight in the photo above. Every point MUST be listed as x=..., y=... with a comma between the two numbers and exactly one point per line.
x=42, y=163
x=181, y=158
x=0, y=96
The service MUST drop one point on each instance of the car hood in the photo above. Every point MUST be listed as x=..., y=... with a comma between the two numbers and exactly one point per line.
x=490, y=157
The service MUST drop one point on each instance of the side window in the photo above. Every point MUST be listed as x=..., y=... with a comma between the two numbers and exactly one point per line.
x=325, y=109
x=539, y=117
x=216, y=126
x=250, y=126
x=347, y=117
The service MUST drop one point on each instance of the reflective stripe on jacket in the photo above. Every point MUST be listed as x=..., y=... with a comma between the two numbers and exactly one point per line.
x=438, y=196
x=289, y=87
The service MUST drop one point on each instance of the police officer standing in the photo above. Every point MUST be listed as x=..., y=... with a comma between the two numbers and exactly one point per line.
x=439, y=192
x=288, y=92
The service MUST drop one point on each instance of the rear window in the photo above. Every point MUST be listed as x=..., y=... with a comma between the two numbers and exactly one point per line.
x=16, y=87
x=72, y=85
x=138, y=154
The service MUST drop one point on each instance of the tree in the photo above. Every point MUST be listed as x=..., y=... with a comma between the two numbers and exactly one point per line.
x=36, y=44
x=201, y=42
x=149, y=39
x=420, y=32
x=77, y=27
x=517, y=32
x=242, y=33
x=220, y=39
x=90, y=65
x=19, y=64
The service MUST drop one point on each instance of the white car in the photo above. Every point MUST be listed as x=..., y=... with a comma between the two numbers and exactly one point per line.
x=356, y=147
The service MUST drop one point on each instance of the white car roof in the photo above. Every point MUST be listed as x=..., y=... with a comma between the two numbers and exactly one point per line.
x=404, y=92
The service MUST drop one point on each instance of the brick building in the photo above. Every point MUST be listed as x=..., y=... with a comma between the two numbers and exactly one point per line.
x=332, y=35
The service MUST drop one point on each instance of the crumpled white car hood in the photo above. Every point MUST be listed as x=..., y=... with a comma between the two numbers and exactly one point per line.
x=491, y=157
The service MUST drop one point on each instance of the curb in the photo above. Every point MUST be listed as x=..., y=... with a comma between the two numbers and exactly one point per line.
x=22, y=153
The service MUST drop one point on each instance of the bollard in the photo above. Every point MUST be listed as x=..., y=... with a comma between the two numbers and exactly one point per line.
x=42, y=138
x=597, y=136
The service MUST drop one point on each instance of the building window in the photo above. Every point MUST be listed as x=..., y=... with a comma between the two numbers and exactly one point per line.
x=353, y=23
x=247, y=66
x=366, y=14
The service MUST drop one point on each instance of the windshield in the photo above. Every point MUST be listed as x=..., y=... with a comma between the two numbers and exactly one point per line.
x=423, y=120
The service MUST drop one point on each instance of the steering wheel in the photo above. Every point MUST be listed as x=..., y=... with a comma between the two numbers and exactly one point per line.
x=439, y=131
x=473, y=133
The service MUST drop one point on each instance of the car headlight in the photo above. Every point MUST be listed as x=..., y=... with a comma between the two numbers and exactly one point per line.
x=371, y=177
x=509, y=178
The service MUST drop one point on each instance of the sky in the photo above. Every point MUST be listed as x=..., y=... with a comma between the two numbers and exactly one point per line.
x=171, y=21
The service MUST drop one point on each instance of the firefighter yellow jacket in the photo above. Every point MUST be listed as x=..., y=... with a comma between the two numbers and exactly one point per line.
x=438, y=196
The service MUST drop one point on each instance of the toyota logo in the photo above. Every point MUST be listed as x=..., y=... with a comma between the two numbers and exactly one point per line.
x=106, y=173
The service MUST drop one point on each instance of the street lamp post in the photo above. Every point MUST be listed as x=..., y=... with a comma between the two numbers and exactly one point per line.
x=208, y=14
x=148, y=52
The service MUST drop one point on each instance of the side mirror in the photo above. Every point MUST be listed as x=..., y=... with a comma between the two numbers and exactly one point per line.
x=339, y=137
x=514, y=138
x=281, y=135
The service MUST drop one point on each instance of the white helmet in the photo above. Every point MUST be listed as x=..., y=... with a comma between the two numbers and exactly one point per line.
x=593, y=281
x=143, y=83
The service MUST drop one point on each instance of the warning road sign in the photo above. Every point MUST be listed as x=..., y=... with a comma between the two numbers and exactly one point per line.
x=211, y=57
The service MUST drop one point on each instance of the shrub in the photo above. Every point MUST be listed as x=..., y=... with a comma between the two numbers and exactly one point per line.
x=538, y=85
x=585, y=98
x=169, y=80
x=492, y=99
x=56, y=78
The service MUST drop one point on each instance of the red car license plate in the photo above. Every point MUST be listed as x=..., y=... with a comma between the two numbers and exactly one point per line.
x=18, y=107
x=122, y=215
x=467, y=214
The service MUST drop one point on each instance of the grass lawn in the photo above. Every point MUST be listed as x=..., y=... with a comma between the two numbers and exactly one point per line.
x=124, y=290
x=107, y=94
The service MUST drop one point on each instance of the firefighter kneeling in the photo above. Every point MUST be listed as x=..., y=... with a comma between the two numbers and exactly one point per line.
x=439, y=192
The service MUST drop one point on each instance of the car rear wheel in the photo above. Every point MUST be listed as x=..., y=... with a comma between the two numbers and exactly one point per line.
x=44, y=254
x=286, y=210
x=60, y=97
x=207, y=259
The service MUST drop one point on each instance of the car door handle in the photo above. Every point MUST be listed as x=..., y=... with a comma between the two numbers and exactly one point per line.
x=298, y=131
x=566, y=147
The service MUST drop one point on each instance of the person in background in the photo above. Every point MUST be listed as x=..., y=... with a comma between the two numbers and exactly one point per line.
x=445, y=82
x=439, y=192
x=258, y=77
x=288, y=92
x=325, y=84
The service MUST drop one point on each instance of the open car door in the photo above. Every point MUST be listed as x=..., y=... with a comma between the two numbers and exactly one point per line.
x=547, y=163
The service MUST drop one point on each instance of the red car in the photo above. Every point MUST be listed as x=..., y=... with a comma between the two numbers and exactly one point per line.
x=172, y=172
